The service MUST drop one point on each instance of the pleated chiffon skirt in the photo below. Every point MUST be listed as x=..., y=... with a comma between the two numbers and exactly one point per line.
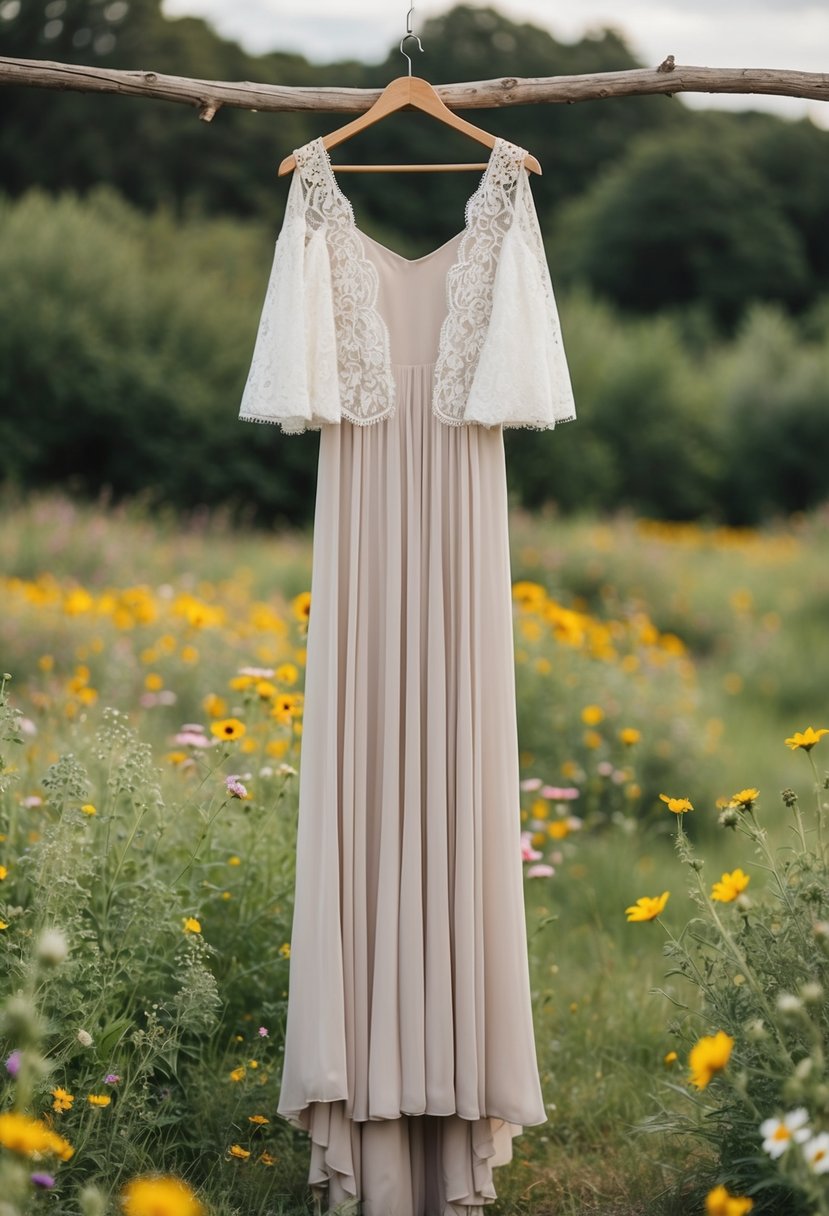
x=410, y=1057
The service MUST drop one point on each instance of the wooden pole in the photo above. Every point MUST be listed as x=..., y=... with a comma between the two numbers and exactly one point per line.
x=208, y=96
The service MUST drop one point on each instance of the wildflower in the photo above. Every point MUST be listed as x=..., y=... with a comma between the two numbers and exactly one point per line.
x=238, y=1074
x=258, y=673
x=647, y=907
x=285, y=949
x=89, y=809
x=63, y=1099
x=3, y=872
x=542, y=871
x=730, y=886
x=670, y=1057
x=806, y=739
x=234, y=860
x=528, y=853
x=677, y=805
x=192, y=735
x=787, y=1002
x=592, y=715
x=42, y=1180
x=52, y=947
x=719, y=1202
x=13, y=1062
x=262, y=1032
x=630, y=735
x=4, y=924
x=287, y=673
x=241, y=1154
x=286, y=770
x=235, y=787
x=744, y=799
x=111, y=1078
x=98, y=1099
x=816, y=1153
x=559, y=793
x=21, y=1134
x=709, y=1056
x=32, y=800
x=301, y=605
x=160, y=1196
x=84, y=1038
x=531, y=783
x=191, y=925
x=265, y=689
x=228, y=728
x=778, y=1134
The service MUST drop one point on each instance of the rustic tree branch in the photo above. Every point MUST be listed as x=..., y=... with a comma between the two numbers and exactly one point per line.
x=208, y=96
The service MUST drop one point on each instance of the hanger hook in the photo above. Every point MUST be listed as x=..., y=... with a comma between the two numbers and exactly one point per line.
x=409, y=34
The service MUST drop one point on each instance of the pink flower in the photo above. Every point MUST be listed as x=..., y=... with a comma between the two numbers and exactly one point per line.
x=528, y=853
x=531, y=783
x=540, y=871
x=13, y=1063
x=559, y=793
x=235, y=787
x=262, y=1032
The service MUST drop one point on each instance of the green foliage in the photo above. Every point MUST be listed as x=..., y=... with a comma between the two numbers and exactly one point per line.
x=760, y=962
x=684, y=216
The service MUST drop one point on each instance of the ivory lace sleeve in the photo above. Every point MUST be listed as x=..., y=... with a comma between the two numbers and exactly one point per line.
x=522, y=378
x=293, y=378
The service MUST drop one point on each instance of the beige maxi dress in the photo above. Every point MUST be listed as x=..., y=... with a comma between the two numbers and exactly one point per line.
x=410, y=1057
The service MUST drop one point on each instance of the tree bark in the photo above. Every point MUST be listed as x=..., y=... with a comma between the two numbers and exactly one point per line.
x=208, y=96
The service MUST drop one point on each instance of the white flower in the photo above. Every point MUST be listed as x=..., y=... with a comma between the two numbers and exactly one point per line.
x=262, y=673
x=266, y=771
x=52, y=947
x=787, y=1002
x=816, y=1152
x=84, y=1038
x=286, y=770
x=778, y=1134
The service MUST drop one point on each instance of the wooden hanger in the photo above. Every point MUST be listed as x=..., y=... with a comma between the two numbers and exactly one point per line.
x=407, y=93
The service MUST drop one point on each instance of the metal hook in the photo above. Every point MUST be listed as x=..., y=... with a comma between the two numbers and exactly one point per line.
x=409, y=34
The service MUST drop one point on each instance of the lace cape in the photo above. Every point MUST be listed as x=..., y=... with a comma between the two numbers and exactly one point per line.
x=322, y=348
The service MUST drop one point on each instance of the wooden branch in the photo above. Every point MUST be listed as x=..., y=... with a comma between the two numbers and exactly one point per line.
x=208, y=96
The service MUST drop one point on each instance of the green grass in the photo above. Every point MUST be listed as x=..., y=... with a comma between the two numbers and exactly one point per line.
x=749, y=609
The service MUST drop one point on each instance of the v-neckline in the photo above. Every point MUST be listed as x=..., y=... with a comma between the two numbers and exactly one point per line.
x=335, y=185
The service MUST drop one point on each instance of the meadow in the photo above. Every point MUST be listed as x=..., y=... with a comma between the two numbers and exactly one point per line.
x=150, y=742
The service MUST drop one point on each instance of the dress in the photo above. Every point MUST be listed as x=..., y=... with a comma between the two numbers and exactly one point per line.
x=409, y=1051
x=410, y=1057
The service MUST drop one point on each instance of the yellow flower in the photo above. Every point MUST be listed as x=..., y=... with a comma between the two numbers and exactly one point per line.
x=191, y=925
x=234, y=860
x=3, y=872
x=592, y=739
x=214, y=705
x=558, y=829
x=228, y=728
x=730, y=886
x=301, y=605
x=720, y=1203
x=238, y=1074
x=266, y=1159
x=265, y=689
x=677, y=805
x=29, y=1137
x=670, y=1057
x=630, y=735
x=161, y=1196
x=287, y=673
x=709, y=1056
x=4, y=924
x=592, y=715
x=89, y=809
x=807, y=739
x=98, y=1099
x=63, y=1099
x=240, y=1153
x=153, y=681
x=744, y=798
x=258, y=1119
x=285, y=949
x=189, y=654
x=647, y=907
x=528, y=595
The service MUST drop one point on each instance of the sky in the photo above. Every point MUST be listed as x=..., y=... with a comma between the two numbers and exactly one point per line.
x=790, y=34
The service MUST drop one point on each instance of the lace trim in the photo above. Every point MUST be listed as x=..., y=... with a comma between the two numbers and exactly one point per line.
x=471, y=280
x=362, y=334
x=367, y=390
